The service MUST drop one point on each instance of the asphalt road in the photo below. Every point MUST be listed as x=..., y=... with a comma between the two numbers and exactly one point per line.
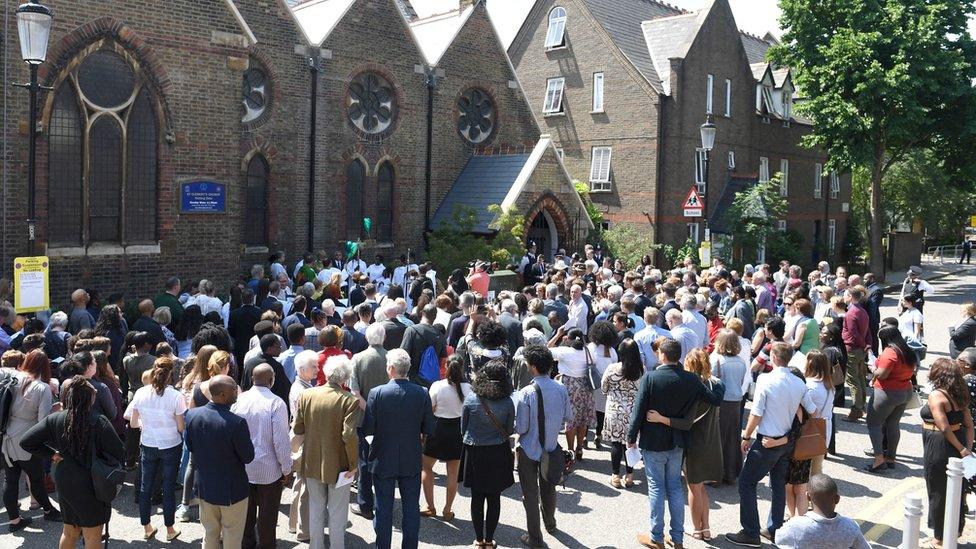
x=592, y=514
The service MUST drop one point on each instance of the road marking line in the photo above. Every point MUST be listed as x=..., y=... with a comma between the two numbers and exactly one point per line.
x=895, y=493
x=885, y=523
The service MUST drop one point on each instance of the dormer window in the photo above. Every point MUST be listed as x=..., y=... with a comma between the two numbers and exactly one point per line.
x=556, y=35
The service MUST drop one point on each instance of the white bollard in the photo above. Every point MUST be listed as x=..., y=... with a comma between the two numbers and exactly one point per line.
x=913, y=521
x=950, y=528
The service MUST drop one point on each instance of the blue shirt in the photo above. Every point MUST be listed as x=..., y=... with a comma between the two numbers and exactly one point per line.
x=644, y=339
x=287, y=360
x=555, y=401
x=687, y=338
x=639, y=323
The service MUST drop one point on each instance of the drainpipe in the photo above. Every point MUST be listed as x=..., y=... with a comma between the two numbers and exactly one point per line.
x=430, y=78
x=660, y=176
x=314, y=67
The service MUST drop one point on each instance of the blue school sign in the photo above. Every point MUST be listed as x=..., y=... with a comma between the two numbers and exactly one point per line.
x=203, y=197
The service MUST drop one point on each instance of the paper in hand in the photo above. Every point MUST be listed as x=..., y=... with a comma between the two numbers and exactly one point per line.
x=343, y=479
x=633, y=457
x=969, y=466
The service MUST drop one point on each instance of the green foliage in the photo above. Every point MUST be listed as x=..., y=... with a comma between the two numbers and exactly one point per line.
x=753, y=217
x=596, y=216
x=883, y=79
x=453, y=246
x=628, y=243
x=919, y=188
x=688, y=249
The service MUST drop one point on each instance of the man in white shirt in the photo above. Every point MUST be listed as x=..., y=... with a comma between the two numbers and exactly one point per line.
x=778, y=395
x=307, y=368
x=267, y=421
x=694, y=320
x=682, y=334
x=578, y=310
x=353, y=265
x=645, y=338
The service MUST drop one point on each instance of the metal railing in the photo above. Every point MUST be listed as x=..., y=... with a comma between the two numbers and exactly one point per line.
x=943, y=254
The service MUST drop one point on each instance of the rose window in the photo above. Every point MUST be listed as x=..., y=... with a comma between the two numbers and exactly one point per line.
x=476, y=118
x=371, y=103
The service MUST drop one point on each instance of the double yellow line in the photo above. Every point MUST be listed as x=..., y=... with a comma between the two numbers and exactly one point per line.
x=891, y=504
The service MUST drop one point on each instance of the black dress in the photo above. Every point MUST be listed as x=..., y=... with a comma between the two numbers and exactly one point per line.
x=936, y=452
x=72, y=475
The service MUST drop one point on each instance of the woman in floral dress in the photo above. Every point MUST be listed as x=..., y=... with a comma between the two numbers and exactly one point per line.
x=620, y=386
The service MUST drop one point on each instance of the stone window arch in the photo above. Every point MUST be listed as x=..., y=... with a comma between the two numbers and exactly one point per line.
x=103, y=151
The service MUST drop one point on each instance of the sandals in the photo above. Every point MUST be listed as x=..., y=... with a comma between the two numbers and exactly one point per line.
x=615, y=481
x=629, y=480
x=579, y=455
x=176, y=534
x=429, y=512
x=448, y=515
x=150, y=535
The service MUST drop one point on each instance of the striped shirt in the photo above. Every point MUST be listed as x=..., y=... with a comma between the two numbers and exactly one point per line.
x=267, y=420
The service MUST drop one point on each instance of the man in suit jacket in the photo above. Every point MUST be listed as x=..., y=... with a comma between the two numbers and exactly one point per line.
x=145, y=323
x=241, y=323
x=873, y=306
x=221, y=446
x=328, y=416
x=387, y=316
x=397, y=414
x=352, y=340
x=513, y=328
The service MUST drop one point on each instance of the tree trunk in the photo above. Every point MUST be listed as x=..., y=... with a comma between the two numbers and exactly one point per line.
x=877, y=215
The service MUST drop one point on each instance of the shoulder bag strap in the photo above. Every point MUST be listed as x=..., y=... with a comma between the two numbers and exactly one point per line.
x=492, y=418
x=542, y=422
x=589, y=358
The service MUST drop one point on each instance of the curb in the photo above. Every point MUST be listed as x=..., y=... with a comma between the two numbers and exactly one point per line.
x=893, y=287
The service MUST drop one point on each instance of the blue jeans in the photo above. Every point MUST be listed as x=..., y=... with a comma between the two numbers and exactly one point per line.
x=409, y=505
x=167, y=462
x=364, y=488
x=663, y=471
x=761, y=461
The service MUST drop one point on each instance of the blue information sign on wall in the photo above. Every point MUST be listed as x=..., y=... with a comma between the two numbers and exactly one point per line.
x=203, y=197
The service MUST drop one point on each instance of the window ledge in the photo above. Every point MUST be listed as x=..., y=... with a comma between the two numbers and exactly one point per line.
x=598, y=112
x=600, y=191
x=256, y=249
x=101, y=249
x=553, y=114
x=556, y=48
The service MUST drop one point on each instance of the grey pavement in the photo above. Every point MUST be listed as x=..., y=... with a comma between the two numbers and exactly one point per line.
x=591, y=513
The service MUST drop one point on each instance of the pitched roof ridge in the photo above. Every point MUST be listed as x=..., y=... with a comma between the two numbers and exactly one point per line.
x=753, y=35
x=669, y=6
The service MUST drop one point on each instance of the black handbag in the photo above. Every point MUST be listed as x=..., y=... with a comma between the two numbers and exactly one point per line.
x=592, y=374
x=553, y=463
x=107, y=475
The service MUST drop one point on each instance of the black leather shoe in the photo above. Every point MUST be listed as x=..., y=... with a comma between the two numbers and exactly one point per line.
x=366, y=514
x=24, y=523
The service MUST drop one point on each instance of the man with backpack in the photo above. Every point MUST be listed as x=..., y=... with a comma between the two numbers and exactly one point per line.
x=541, y=409
x=426, y=345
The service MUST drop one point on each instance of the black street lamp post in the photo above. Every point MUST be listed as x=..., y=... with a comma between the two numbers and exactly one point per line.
x=33, y=28
x=708, y=143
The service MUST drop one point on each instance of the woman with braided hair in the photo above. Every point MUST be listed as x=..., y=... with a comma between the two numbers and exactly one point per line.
x=65, y=438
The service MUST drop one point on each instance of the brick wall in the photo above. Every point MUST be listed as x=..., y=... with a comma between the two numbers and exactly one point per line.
x=629, y=123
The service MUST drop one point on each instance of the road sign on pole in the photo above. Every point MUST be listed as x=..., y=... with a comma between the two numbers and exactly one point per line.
x=693, y=206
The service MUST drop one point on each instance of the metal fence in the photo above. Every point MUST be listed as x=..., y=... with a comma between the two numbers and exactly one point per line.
x=949, y=253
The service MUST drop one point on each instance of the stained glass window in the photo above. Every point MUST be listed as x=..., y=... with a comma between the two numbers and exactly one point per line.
x=383, y=223
x=255, y=208
x=103, y=165
x=371, y=104
x=355, y=179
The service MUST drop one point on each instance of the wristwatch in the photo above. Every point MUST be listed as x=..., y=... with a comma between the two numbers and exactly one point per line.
x=746, y=438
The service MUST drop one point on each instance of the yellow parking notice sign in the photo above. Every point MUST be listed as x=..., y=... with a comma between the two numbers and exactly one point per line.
x=31, y=284
x=972, y=221
x=705, y=254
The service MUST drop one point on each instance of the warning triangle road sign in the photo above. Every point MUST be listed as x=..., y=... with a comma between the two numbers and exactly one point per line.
x=693, y=206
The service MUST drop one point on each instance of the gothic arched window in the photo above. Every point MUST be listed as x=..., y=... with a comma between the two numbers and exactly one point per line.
x=255, y=202
x=355, y=180
x=383, y=224
x=103, y=154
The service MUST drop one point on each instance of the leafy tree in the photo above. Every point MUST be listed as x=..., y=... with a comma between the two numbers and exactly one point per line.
x=628, y=243
x=596, y=216
x=452, y=246
x=882, y=78
x=753, y=217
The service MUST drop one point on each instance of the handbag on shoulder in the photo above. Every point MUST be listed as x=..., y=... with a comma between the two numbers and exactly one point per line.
x=592, y=374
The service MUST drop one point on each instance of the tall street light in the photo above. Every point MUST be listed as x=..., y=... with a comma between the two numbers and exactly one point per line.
x=707, y=143
x=33, y=28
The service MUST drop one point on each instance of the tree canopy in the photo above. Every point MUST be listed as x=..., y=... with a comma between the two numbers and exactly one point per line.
x=881, y=79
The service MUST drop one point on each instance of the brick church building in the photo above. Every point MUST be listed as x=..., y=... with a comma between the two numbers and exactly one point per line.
x=194, y=140
x=623, y=87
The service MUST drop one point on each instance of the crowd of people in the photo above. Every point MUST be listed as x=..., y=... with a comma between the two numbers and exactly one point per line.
x=336, y=374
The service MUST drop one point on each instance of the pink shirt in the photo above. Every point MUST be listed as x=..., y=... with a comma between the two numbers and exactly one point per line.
x=479, y=283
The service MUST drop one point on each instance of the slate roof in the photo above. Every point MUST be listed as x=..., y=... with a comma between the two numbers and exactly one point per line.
x=621, y=19
x=717, y=222
x=485, y=180
x=755, y=47
x=670, y=37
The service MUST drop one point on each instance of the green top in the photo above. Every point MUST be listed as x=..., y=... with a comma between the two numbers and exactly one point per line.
x=811, y=337
x=167, y=299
